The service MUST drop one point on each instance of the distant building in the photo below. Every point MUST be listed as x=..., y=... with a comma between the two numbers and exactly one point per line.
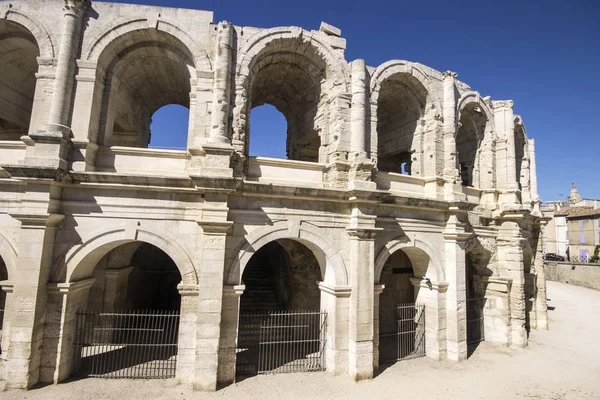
x=555, y=234
x=574, y=230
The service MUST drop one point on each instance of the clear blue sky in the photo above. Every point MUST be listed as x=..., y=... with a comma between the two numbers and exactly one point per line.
x=543, y=54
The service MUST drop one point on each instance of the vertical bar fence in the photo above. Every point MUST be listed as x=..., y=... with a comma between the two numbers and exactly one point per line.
x=401, y=333
x=475, y=320
x=126, y=345
x=281, y=342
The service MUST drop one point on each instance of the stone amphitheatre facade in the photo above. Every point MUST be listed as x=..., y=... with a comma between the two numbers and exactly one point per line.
x=402, y=184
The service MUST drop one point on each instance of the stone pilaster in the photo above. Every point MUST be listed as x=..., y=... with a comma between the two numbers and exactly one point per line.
x=210, y=298
x=433, y=296
x=115, y=288
x=510, y=265
x=362, y=281
x=64, y=300
x=455, y=240
x=187, y=359
x=27, y=317
x=335, y=300
x=230, y=312
x=7, y=287
x=541, y=300
x=496, y=312
x=377, y=290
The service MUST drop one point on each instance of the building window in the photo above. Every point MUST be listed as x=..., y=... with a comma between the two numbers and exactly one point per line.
x=598, y=222
x=581, y=223
x=581, y=237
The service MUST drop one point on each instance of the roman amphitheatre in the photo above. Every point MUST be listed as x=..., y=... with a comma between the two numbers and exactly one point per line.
x=404, y=223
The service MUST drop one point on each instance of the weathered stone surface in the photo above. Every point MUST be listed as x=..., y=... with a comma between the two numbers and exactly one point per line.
x=397, y=166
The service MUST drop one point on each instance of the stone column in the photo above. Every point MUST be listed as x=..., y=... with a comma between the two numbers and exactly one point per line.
x=362, y=281
x=212, y=155
x=433, y=296
x=335, y=300
x=360, y=101
x=361, y=167
x=64, y=300
x=455, y=240
x=51, y=143
x=229, y=333
x=85, y=122
x=496, y=313
x=451, y=173
x=510, y=264
x=506, y=170
x=222, y=85
x=67, y=54
x=535, y=197
x=27, y=317
x=378, y=289
x=525, y=182
x=115, y=288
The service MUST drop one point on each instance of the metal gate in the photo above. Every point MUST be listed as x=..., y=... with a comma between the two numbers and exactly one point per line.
x=130, y=344
x=281, y=342
x=475, y=323
x=402, y=333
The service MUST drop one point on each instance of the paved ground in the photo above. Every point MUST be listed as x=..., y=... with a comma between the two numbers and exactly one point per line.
x=560, y=364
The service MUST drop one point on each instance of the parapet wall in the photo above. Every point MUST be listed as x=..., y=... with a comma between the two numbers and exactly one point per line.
x=580, y=274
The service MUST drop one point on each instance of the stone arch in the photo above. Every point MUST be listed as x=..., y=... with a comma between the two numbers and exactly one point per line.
x=122, y=26
x=31, y=22
x=333, y=267
x=259, y=41
x=412, y=248
x=8, y=253
x=80, y=260
x=403, y=105
x=393, y=67
x=123, y=113
x=473, y=97
x=307, y=61
x=484, y=141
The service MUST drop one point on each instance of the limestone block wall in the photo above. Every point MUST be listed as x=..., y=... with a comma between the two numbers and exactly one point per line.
x=80, y=192
x=586, y=275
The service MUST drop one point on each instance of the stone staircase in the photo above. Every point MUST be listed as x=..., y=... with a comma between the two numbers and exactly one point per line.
x=259, y=295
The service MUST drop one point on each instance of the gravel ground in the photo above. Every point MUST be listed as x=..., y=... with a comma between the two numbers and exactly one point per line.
x=559, y=364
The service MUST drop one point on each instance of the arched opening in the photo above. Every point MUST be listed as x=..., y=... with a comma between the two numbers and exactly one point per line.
x=169, y=127
x=3, y=277
x=144, y=71
x=530, y=287
x=129, y=328
x=401, y=309
x=269, y=128
x=289, y=74
x=280, y=323
x=400, y=107
x=478, y=271
x=18, y=66
x=520, y=149
x=468, y=142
